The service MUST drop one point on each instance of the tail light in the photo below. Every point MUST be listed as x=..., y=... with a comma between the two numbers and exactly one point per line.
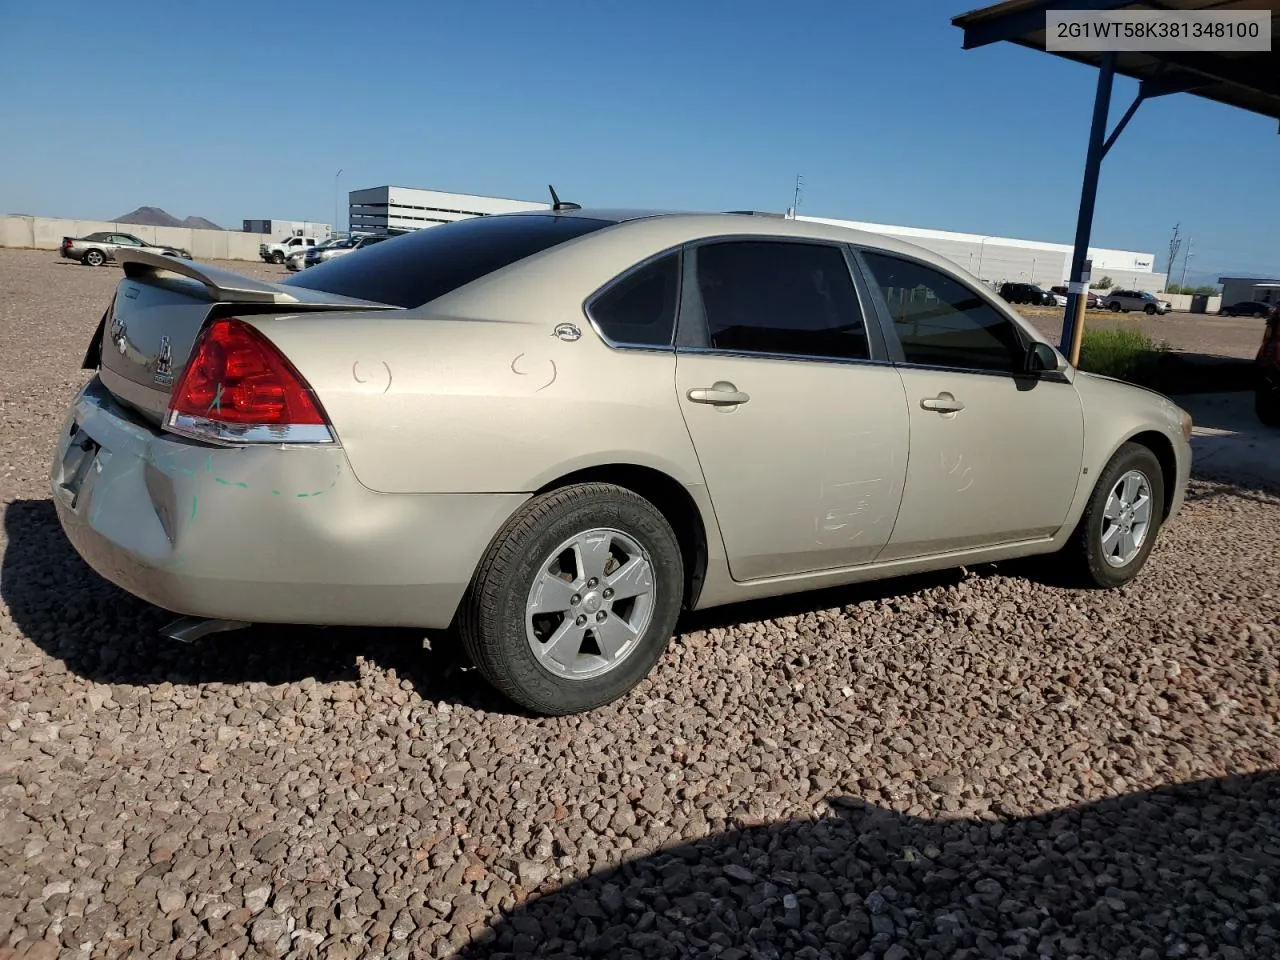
x=239, y=388
x=66, y=242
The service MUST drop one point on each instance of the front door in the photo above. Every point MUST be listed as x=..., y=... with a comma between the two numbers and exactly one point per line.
x=800, y=430
x=995, y=455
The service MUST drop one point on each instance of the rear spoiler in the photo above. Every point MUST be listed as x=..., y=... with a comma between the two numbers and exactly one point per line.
x=229, y=287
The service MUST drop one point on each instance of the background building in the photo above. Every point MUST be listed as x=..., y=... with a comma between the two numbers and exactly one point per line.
x=1236, y=289
x=997, y=259
x=993, y=259
x=380, y=209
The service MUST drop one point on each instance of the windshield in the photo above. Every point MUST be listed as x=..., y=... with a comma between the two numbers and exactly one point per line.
x=419, y=267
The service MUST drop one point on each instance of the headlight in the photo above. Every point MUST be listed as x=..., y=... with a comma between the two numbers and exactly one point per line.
x=1186, y=424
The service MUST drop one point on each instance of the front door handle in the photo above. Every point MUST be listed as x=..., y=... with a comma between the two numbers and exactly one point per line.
x=722, y=394
x=943, y=403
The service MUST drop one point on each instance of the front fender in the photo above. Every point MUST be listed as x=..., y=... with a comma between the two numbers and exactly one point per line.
x=1115, y=413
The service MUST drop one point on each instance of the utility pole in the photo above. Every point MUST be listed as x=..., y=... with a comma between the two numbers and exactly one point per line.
x=1174, y=243
x=795, y=198
x=1189, y=255
x=337, y=203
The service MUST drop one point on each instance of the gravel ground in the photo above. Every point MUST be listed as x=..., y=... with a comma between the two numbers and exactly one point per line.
x=1207, y=335
x=973, y=764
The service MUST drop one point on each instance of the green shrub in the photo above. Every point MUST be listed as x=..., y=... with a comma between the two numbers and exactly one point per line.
x=1126, y=354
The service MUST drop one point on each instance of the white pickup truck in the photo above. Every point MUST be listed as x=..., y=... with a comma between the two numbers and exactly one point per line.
x=280, y=251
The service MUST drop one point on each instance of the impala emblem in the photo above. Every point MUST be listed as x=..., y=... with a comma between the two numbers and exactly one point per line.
x=566, y=332
x=164, y=363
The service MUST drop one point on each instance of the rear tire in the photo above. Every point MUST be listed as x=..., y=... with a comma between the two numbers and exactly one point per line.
x=94, y=258
x=1097, y=553
x=538, y=584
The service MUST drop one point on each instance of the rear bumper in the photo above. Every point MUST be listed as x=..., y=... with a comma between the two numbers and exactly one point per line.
x=271, y=535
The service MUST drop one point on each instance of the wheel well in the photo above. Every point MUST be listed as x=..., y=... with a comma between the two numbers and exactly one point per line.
x=671, y=498
x=1159, y=444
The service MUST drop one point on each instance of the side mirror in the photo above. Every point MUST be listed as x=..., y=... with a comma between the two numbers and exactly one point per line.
x=1042, y=358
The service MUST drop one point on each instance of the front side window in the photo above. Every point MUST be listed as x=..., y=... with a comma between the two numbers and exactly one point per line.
x=782, y=298
x=940, y=321
x=640, y=308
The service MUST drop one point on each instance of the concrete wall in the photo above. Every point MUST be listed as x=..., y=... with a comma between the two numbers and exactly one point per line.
x=46, y=233
x=1182, y=301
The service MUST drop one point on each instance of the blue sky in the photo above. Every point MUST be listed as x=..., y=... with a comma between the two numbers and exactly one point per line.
x=241, y=110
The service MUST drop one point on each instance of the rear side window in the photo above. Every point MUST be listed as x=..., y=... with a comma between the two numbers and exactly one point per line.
x=639, y=310
x=419, y=267
x=781, y=298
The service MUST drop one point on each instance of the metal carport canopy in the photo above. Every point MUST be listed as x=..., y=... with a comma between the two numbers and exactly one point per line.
x=1246, y=80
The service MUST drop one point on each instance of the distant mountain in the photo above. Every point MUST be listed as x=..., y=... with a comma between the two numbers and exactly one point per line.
x=149, y=217
x=155, y=217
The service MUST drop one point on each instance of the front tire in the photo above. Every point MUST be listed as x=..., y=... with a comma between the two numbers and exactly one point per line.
x=1121, y=521
x=1115, y=308
x=575, y=600
x=1150, y=310
x=277, y=257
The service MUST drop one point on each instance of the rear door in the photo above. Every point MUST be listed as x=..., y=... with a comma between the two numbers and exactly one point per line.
x=995, y=454
x=799, y=425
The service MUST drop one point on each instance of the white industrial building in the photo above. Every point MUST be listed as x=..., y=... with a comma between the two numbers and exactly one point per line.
x=997, y=259
x=382, y=209
x=993, y=259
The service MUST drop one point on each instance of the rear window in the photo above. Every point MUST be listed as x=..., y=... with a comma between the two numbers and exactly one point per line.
x=419, y=267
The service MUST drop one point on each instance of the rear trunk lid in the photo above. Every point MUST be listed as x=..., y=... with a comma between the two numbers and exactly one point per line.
x=145, y=338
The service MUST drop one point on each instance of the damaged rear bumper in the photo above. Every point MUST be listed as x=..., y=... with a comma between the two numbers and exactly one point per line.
x=270, y=534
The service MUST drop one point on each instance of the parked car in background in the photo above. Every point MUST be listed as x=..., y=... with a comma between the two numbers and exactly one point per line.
x=1027, y=293
x=567, y=454
x=350, y=245
x=279, y=251
x=1248, y=308
x=1092, y=300
x=1126, y=300
x=99, y=248
x=1266, y=397
x=297, y=260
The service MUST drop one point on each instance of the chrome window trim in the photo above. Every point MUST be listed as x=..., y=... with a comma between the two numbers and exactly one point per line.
x=798, y=357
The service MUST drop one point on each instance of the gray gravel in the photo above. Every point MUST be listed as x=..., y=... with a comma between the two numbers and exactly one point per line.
x=974, y=764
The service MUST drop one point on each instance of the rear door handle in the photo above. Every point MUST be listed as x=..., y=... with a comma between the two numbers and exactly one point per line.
x=722, y=394
x=943, y=403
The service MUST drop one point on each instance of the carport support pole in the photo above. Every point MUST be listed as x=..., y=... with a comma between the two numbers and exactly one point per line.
x=1077, y=295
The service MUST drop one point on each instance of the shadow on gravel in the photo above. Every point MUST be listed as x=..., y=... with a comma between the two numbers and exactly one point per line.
x=105, y=635
x=1186, y=871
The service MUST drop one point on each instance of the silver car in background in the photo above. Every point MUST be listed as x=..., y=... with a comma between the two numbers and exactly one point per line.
x=327, y=252
x=1126, y=300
